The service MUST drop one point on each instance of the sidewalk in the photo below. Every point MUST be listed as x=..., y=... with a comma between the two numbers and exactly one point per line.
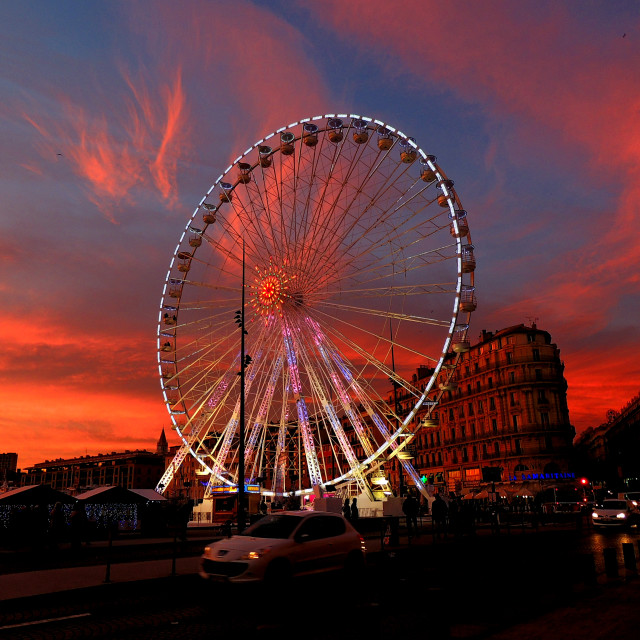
x=156, y=561
x=33, y=583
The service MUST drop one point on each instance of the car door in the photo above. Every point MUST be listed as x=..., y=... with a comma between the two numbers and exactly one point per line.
x=317, y=545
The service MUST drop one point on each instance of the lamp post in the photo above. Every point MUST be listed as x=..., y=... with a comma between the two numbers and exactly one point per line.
x=395, y=408
x=243, y=364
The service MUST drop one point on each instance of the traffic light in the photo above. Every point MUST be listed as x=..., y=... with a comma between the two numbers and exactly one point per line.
x=584, y=481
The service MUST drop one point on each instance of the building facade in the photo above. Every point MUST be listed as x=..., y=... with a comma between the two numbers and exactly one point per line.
x=8, y=468
x=137, y=469
x=502, y=417
x=608, y=454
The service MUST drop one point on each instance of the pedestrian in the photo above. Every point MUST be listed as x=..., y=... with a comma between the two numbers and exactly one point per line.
x=57, y=525
x=410, y=508
x=354, y=510
x=454, y=515
x=78, y=522
x=263, y=507
x=346, y=509
x=439, y=512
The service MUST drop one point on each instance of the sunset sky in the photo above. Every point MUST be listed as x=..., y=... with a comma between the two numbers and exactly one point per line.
x=116, y=117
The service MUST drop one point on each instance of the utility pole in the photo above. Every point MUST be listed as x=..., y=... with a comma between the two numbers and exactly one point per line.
x=243, y=364
x=395, y=407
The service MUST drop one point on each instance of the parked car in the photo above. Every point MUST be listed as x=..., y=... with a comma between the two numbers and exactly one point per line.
x=285, y=544
x=615, y=513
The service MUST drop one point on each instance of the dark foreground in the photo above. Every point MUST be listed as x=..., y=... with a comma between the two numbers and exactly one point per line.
x=523, y=585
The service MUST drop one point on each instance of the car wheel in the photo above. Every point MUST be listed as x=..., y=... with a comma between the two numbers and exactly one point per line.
x=278, y=572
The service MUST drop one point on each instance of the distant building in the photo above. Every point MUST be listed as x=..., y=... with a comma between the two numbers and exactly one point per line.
x=8, y=468
x=137, y=469
x=609, y=453
x=504, y=417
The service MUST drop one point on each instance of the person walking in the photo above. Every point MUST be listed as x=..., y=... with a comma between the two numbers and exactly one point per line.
x=354, y=510
x=439, y=512
x=410, y=509
x=346, y=509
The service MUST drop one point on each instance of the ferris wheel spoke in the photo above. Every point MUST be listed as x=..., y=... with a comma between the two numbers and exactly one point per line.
x=332, y=328
x=385, y=314
x=331, y=231
x=391, y=291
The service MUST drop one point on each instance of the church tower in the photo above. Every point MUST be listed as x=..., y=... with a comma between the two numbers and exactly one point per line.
x=163, y=446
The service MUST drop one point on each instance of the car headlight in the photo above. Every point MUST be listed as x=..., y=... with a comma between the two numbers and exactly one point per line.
x=594, y=515
x=621, y=515
x=254, y=555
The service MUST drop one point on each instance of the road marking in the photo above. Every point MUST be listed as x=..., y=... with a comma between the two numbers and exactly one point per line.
x=26, y=624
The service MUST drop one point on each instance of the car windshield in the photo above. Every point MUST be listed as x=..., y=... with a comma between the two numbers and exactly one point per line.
x=633, y=496
x=614, y=504
x=274, y=526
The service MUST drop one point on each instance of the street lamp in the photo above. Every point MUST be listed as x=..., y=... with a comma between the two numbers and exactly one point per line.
x=244, y=361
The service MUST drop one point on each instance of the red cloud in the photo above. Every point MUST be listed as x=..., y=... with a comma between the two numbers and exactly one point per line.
x=124, y=146
x=558, y=80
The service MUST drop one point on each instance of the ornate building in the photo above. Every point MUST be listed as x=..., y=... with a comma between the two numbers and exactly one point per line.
x=502, y=418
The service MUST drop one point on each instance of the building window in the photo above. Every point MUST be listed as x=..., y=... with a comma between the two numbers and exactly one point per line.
x=512, y=399
x=536, y=355
x=538, y=374
x=531, y=337
x=544, y=419
x=470, y=409
x=454, y=457
x=512, y=377
x=465, y=456
x=514, y=422
x=492, y=404
x=480, y=406
x=478, y=386
x=475, y=367
x=463, y=431
x=548, y=443
x=451, y=413
x=494, y=425
x=453, y=435
x=496, y=448
x=484, y=450
x=542, y=396
x=474, y=452
x=518, y=446
x=509, y=358
x=490, y=382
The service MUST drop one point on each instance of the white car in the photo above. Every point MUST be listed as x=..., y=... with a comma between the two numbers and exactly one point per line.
x=286, y=544
x=612, y=513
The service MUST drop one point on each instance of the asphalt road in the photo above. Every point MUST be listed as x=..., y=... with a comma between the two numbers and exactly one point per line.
x=467, y=587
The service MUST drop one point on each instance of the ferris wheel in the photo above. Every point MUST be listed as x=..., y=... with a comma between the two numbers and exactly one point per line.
x=353, y=253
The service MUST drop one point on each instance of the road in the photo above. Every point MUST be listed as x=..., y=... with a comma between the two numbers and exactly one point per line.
x=468, y=587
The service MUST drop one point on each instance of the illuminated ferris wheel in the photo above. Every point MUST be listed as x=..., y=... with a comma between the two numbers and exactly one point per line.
x=358, y=269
